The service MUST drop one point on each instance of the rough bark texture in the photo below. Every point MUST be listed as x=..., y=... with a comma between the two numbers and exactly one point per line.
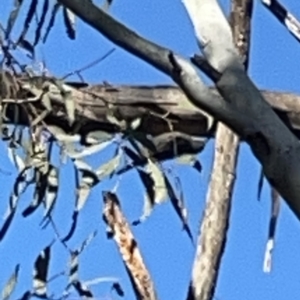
x=157, y=106
x=165, y=112
x=131, y=255
x=213, y=231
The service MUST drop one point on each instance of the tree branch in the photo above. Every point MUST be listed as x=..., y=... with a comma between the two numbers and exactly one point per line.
x=215, y=223
x=128, y=247
x=160, y=108
x=271, y=142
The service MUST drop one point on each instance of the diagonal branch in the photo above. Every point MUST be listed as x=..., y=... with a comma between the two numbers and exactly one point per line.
x=284, y=17
x=249, y=114
x=131, y=255
x=214, y=227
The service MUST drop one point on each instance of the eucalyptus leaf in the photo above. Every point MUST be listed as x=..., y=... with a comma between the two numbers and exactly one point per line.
x=98, y=136
x=15, y=159
x=54, y=12
x=51, y=192
x=187, y=159
x=11, y=284
x=12, y=18
x=158, y=178
x=69, y=19
x=147, y=209
x=40, y=272
x=178, y=204
x=89, y=150
x=109, y=168
x=135, y=123
x=70, y=107
x=41, y=22
x=61, y=136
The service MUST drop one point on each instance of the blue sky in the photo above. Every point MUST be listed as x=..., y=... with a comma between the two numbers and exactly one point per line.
x=168, y=253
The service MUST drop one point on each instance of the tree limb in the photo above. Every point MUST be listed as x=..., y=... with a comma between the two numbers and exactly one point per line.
x=247, y=111
x=214, y=226
x=128, y=247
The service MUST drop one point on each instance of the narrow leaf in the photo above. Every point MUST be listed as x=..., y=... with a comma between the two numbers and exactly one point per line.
x=41, y=22
x=39, y=194
x=11, y=284
x=109, y=168
x=178, y=204
x=157, y=176
x=89, y=150
x=69, y=106
x=30, y=14
x=260, y=184
x=12, y=18
x=82, y=290
x=51, y=193
x=54, y=12
x=69, y=19
x=40, y=272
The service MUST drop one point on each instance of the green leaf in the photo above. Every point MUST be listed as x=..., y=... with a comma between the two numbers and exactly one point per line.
x=147, y=210
x=160, y=189
x=51, y=21
x=40, y=272
x=109, y=168
x=135, y=123
x=29, y=17
x=12, y=18
x=98, y=136
x=41, y=22
x=11, y=284
x=69, y=20
x=191, y=160
x=178, y=204
x=70, y=107
x=86, y=151
x=50, y=193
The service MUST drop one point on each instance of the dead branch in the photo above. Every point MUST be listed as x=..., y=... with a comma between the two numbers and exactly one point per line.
x=165, y=112
x=131, y=255
x=215, y=223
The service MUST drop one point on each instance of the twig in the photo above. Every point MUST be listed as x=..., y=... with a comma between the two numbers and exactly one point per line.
x=91, y=64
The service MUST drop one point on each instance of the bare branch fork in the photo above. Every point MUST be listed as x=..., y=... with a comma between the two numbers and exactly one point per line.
x=272, y=143
x=215, y=223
